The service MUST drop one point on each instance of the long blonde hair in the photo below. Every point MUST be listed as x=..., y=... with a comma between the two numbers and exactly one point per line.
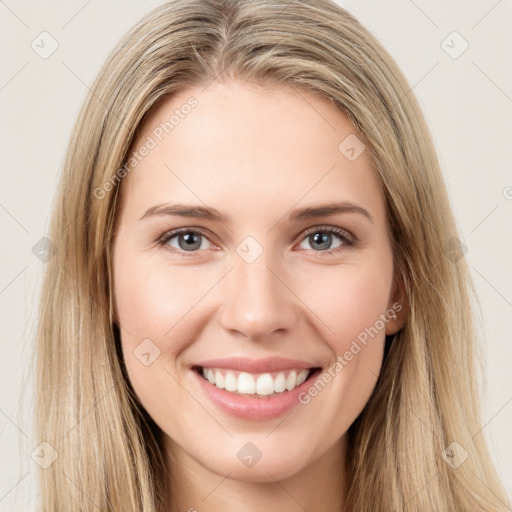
x=109, y=449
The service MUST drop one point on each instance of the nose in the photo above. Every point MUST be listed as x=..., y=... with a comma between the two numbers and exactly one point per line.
x=257, y=301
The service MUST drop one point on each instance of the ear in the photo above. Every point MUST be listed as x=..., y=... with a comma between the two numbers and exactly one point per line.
x=398, y=306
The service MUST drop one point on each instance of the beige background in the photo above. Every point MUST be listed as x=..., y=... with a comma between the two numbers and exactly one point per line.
x=467, y=101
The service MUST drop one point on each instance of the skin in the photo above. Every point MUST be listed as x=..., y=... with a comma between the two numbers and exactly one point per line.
x=253, y=154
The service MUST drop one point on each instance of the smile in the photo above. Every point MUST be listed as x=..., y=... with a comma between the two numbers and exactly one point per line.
x=262, y=385
x=254, y=390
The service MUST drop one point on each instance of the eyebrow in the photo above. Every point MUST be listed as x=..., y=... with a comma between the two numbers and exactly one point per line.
x=208, y=213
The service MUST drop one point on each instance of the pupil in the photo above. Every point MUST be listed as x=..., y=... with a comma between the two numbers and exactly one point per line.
x=324, y=239
x=191, y=241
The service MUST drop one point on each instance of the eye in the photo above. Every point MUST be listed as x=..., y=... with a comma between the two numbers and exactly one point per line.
x=191, y=240
x=321, y=238
x=184, y=240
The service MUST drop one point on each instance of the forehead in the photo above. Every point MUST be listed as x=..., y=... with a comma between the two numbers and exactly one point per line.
x=246, y=149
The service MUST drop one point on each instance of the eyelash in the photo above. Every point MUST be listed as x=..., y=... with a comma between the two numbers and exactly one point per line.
x=346, y=237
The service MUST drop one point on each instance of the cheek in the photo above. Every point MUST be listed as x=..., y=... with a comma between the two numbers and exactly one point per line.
x=152, y=301
x=142, y=310
x=349, y=302
x=155, y=313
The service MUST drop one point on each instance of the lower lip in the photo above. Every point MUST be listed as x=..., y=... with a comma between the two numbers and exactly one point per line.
x=255, y=408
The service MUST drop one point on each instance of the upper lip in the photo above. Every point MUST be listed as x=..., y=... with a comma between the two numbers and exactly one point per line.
x=271, y=364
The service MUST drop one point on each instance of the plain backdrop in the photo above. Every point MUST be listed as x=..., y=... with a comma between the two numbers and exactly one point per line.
x=456, y=57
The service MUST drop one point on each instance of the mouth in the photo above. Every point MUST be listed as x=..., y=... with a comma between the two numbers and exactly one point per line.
x=263, y=385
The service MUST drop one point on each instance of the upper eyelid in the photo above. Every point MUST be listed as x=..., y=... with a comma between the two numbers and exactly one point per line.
x=334, y=229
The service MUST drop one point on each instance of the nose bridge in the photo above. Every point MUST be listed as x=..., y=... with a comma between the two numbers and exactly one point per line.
x=256, y=301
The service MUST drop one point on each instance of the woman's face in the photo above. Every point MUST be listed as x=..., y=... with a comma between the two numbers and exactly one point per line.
x=225, y=263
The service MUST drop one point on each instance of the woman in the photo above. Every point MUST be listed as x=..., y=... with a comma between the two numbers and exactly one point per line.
x=197, y=350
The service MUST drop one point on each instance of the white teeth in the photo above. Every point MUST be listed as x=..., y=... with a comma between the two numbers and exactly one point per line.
x=219, y=380
x=246, y=383
x=291, y=380
x=264, y=384
x=280, y=383
x=210, y=375
x=230, y=382
x=301, y=377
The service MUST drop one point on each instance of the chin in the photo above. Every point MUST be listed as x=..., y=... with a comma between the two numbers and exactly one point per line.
x=254, y=460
